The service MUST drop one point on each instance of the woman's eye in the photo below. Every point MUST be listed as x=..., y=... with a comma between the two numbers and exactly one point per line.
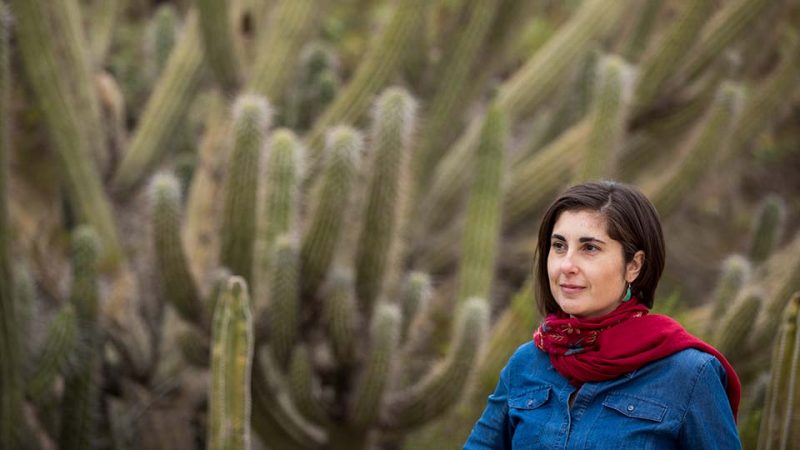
x=558, y=245
x=591, y=247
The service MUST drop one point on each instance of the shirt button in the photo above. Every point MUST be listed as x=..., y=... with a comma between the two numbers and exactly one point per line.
x=631, y=407
x=530, y=402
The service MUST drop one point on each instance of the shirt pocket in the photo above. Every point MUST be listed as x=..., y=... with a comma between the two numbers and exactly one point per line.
x=529, y=414
x=631, y=422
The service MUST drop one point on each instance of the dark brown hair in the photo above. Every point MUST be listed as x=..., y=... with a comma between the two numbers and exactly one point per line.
x=630, y=219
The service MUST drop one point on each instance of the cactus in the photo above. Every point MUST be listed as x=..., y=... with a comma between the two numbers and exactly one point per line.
x=252, y=118
x=315, y=87
x=179, y=286
x=483, y=214
x=79, y=405
x=393, y=122
x=642, y=29
x=232, y=354
x=731, y=335
x=781, y=403
x=218, y=42
x=10, y=367
x=609, y=113
x=768, y=228
x=162, y=33
x=284, y=302
x=666, y=53
x=55, y=357
x=666, y=192
x=164, y=110
x=332, y=196
x=734, y=275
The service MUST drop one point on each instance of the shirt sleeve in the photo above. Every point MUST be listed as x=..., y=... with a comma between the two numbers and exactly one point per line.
x=708, y=423
x=491, y=431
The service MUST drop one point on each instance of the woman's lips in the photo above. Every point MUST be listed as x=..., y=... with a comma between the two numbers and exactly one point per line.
x=571, y=289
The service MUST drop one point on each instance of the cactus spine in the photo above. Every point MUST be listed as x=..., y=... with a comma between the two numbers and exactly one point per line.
x=179, y=286
x=609, y=116
x=393, y=123
x=10, y=375
x=252, y=118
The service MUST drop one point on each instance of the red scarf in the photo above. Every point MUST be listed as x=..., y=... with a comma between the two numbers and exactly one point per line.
x=602, y=348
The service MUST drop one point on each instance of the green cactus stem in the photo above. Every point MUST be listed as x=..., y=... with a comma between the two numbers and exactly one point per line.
x=376, y=69
x=165, y=109
x=179, y=287
x=284, y=302
x=666, y=53
x=341, y=316
x=415, y=298
x=609, y=115
x=80, y=402
x=290, y=25
x=161, y=36
x=722, y=30
x=331, y=201
x=778, y=408
x=251, y=121
x=315, y=86
x=642, y=30
x=735, y=274
x=441, y=387
x=279, y=213
x=451, y=82
x=59, y=345
x=482, y=227
x=61, y=114
x=105, y=17
x=768, y=228
x=371, y=387
x=302, y=386
x=732, y=332
x=219, y=43
x=232, y=357
x=393, y=122
x=10, y=352
x=714, y=133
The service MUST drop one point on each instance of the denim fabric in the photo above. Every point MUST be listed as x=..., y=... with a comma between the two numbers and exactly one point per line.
x=678, y=402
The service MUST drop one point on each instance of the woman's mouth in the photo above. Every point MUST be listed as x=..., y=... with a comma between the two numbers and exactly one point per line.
x=571, y=288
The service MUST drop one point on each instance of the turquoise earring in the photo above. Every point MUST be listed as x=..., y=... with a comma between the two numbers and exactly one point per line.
x=627, y=294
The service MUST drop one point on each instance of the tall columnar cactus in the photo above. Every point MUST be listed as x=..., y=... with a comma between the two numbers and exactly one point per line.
x=80, y=402
x=374, y=72
x=768, y=228
x=393, y=122
x=778, y=429
x=667, y=52
x=161, y=35
x=10, y=367
x=643, y=29
x=451, y=81
x=315, y=86
x=732, y=332
x=58, y=349
x=165, y=109
x=283, y=310
x=609, y=113
x=37, y=43
x=667, y=192
x=219, y=43
x=251, y=121
x=735, y=274
x=482, y=227
x=179, y=286
x=232, y=356
x=331, y=199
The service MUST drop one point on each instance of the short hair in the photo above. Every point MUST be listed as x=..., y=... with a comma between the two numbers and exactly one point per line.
x=631, y=219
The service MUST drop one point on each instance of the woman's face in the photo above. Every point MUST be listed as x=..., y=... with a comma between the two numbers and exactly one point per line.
x=586, y=268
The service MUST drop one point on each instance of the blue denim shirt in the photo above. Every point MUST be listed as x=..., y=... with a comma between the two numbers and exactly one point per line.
x=678, y=402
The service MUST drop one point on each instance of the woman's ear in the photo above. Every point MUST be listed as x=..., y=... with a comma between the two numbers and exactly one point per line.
x=633, y=267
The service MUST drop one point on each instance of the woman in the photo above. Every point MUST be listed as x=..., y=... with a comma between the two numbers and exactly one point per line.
x=602, y=373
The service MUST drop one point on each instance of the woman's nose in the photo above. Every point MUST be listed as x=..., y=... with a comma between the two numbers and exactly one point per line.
x=567, y=265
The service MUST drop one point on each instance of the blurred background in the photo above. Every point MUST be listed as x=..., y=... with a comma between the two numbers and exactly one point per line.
x=300, y=224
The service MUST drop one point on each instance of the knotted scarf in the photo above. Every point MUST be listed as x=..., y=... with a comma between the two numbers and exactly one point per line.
x=602, y=348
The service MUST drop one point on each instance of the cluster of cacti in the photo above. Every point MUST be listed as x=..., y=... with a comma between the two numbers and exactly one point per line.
x=313, y=271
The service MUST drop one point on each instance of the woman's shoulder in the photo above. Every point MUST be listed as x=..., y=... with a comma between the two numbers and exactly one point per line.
x=528, y=362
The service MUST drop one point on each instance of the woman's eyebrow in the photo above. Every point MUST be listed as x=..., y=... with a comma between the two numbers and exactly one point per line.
x=591, y=239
